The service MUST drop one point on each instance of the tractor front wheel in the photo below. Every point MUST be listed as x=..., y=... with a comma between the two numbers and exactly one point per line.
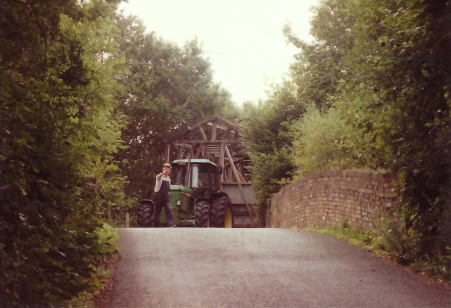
x=145, y=212
x=201, y=215
x=221, y=213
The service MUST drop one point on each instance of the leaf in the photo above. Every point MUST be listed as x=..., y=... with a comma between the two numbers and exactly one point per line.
x=26, y=109
x=22, y=141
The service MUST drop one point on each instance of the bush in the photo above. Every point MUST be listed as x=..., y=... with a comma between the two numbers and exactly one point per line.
x=59, y=130
x=324, y=141
x=344, y=232
x=344, y=226
x=419, y=251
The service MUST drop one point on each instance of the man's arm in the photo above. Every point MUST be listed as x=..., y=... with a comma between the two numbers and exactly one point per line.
x=158, y=182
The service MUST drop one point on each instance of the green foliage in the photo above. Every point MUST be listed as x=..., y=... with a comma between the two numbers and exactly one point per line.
x=376, y=82
x=411, y=248
x=394, y=241
x=392, y=110
x=344, y=226
x=361, y=239
x=60, y=128
x=325, y=141
x=314, y=80
x=86, y=101
x=266, y=128
x=86, y=298
x=167, y=89
x=267, y=171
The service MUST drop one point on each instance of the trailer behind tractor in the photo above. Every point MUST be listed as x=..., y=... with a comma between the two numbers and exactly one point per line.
x=208, y=188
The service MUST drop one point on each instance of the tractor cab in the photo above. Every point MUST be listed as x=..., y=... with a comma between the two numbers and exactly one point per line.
x=203, y=177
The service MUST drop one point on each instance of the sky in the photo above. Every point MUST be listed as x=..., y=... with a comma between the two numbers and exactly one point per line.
x=242, y=39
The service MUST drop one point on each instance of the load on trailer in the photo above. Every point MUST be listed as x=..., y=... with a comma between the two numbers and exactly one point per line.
x=208, y=188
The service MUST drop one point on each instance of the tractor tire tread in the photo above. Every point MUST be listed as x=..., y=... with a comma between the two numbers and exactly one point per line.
x=217, y=212
x=201, y=215
x=144, y=217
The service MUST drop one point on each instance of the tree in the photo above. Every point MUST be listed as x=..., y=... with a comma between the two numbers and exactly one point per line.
x=266, y=127
x=167, y=89
x=59, y=131
x=402, y=83
x=313, y=79
x=391, y=106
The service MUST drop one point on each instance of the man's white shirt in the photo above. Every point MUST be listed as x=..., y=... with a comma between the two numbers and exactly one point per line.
x=158, y=182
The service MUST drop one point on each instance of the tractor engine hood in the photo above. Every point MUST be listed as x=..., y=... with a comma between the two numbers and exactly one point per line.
x=182, y=189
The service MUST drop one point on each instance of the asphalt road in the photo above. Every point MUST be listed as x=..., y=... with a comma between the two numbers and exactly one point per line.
x=181, y=267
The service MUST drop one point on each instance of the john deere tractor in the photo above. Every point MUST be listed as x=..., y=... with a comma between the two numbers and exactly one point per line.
x=196, y=197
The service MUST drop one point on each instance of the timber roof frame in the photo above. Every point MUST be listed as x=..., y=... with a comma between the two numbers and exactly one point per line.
x=228, y=128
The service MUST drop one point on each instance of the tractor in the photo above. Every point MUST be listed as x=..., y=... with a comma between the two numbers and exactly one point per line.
x=196, y=197
x=208, y=188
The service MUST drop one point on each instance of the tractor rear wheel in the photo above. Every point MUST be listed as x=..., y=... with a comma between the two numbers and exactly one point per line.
x=145, y=212
x=201, y=215
x=221, y=213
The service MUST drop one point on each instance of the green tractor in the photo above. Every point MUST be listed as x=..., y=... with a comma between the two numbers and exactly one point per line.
x=196, y=197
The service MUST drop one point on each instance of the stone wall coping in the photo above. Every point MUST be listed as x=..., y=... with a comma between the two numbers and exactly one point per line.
x=383, y=178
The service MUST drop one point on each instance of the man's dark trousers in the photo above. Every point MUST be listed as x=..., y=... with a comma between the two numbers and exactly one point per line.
x=162, y=199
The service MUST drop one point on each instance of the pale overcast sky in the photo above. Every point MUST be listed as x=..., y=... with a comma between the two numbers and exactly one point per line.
x=242, y=38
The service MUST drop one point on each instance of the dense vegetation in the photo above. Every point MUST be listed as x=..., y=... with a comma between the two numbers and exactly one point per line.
x=168, y=87
x=86, y=99
x=372, y=92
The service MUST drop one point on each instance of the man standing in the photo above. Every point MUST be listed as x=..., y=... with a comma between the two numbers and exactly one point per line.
x=162, y=197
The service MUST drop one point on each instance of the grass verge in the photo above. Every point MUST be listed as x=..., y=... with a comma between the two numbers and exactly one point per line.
x=100, y=296
x=367, y=241
x=363, y=240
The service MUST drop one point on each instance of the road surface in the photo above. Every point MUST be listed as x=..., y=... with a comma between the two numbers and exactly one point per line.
x=182, y=267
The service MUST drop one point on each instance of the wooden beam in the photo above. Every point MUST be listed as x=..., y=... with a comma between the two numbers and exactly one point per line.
x=233, y=128
x=245, y=183
x=221, y=162
x=229, y=124
x=224, y=136
x=241, y=178
x=213, y=131
x=187, y=141
x=190, y=155
x=202, y=123
x=213, y=120
x=237, y=136
x=202, y=132
x=199, y=150
x=226, y=149
x=183, y=145
x=223, y=128
x=179, y=152
x=190, y=129
x=166, y=153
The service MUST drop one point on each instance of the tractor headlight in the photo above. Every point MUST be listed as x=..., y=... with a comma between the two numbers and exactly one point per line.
x=179, y=202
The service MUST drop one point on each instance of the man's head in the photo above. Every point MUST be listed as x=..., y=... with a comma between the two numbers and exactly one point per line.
x=166, y=168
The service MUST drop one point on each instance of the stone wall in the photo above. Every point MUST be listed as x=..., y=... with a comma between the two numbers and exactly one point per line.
x=332, y=197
